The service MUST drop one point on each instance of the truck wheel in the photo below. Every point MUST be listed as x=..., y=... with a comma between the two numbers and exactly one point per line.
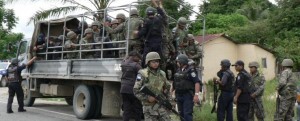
x=84, y=102
x=69, y=100
x=28, y=100
x=99, y=94
x=3, y=82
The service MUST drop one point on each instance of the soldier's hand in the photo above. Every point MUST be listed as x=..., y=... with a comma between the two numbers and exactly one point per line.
x=196, y=99
x=135, y=32
x=151, y=99
x=253, y=95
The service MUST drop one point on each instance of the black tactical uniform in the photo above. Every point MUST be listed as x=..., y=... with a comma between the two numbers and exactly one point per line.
x=14, y=86
x=132, y=107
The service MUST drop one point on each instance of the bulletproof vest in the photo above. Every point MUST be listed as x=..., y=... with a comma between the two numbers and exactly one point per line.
x=12, y=74
x=156, y=26
x=182, y=81
x=134, y=25
x=246, y=77
x=290, y=89
x=154, y=80
x=228, y=87
x=129, y=72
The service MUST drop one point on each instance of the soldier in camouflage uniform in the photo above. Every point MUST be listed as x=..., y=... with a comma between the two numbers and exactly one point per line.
x=88, y=33
x=118, y=30
x=115, y=37
x=97, y=37
x=155, y=79
x=193, y=50
x=257, y=87
x=70, y=45
x=135, y=44
x=180, y=34
x=287, y=90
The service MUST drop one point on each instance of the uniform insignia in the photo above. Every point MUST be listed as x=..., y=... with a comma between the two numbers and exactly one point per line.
x=193, y=74
x=139, y=77
x=238, y=77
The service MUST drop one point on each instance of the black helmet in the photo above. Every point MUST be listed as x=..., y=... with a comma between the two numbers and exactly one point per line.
x=225, y=63
x=150, y=11
x=134, y=53
x=182, y=59
x=14, y=61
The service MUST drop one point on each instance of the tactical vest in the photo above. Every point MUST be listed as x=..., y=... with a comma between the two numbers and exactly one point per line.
x=12, y=74
x=134, y=25
x=229, y=86
x=129, y=73
x=182, y=81
x=245, y=77
x=156, y=27
x=154, y=81
x=290, y=89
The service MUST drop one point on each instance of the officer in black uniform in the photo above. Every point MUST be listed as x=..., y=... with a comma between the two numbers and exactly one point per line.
x=187, y=87
x=132, y=107
x=242, y=95
x=152, y=30
x=14, y=84
x=226, y=85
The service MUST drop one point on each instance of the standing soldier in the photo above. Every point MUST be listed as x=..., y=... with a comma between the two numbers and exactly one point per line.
x=242, y=95
x=135, y=44
x=131, y=105
x=257, y=87
x=193, y=50
x=155, y=79
x=14, y=84
x=187, y=87
x=225, y=82
x=115, y=37
x=180, y=34
x=70, y=45
x=88, y=38
x=287, y=90
x=152, y=29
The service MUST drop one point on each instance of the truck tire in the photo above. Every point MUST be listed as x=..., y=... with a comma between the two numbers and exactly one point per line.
x=28, y=100
x=84, y=102
x=99, y=94
x=3, y=82
x=69, y=100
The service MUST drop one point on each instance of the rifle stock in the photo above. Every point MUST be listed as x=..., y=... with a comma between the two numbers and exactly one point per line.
x=215, y=98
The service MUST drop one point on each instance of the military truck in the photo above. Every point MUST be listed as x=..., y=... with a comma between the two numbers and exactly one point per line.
x=90, y=85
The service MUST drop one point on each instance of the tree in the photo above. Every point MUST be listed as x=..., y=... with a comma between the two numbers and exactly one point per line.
x=74, y=5
x=221, y=6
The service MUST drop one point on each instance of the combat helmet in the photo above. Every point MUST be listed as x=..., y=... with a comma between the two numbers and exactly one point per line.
x=182, y=59
x=225, y=63
x=287, y=63
x=14, y=61
x=71, y=35
x=121, y=16
x=88, y=30
x=150, y=11
x=96, y=23
x=114, y=22
x=190, y=37
x=182, y=21
x=152, y=56
x=133, y=12
x=254, y=64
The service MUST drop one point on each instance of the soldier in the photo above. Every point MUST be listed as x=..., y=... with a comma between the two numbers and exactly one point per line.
x=81, y=27
x=180, y=34
x=287, y=90
x=88, y=38
x=131, y=105
x=135, y=44
x=257, y=87
x=70, y=45
x=193, y=50
x=115, y=37
x=96, y=31
x=156, y=80
x=14, y=84
x=187, y=87
x=152, y=29
x=242, y=94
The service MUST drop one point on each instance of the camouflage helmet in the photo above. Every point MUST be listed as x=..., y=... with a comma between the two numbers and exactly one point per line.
x=71, y=35
x=88, y=30
x=225, y=63
x=61, y=37
x=287, y=63
x=96, y=23
x=133, y=12
x=152, y=56
x=14, y=61
x=182, y=59
x=190, y=37
x=182, y=21
x=121, y=16
x=150, y=11
x=253, y=64
x=114, y=22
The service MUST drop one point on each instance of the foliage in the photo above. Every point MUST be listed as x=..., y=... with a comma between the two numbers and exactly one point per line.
x=9, y=45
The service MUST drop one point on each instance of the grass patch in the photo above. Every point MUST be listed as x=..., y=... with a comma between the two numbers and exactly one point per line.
x=269, y=101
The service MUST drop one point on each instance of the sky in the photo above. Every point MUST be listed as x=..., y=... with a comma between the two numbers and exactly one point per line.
x=24, y=9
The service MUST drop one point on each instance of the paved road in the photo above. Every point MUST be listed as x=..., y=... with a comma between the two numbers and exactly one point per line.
x=41, y=111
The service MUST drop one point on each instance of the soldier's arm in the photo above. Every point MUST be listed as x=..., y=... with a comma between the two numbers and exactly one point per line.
x=199, y=53
x=261, y=87
x=137, y=86
x=116, y=30
x=144, y=30
x=67, y=45
x=282, y=80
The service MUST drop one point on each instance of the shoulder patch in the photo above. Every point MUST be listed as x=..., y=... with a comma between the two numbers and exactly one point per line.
x=139, y=77
x=193, y=74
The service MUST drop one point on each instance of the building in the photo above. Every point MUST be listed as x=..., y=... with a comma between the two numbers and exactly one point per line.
x=219, y=46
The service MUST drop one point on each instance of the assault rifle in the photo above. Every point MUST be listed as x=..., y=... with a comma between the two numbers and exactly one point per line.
x=215, y=98
x=161, y=100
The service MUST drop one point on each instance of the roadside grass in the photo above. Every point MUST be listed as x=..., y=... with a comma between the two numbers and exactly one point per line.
x=269, y=101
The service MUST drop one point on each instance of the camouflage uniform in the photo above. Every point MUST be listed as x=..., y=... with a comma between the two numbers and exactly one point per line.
x=257, y=87
x=97, y=38
x=71, y=39
x=287, y=89
x=157, y=82
x=180, y=36
x=193, y=51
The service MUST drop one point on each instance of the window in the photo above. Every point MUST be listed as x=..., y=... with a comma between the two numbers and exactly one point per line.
x=264, y=62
